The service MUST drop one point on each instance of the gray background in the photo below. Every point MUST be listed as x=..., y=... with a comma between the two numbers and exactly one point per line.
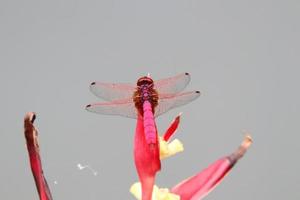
x=243, y=56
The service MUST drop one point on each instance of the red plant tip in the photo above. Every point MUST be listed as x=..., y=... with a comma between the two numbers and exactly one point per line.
x=172, y=128
x=30, y=132
x=241, y=150
x=30, y=117
x=247, y=141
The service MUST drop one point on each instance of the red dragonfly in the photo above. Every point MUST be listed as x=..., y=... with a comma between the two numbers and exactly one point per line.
x=146, y=98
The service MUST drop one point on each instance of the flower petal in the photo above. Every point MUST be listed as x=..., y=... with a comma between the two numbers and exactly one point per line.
x=167, y=149
x=172, y=128
x=198, y=186
x=158, y=193
x=31, y=136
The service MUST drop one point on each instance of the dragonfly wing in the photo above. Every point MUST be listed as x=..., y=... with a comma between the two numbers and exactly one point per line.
x=167, y=102
x=112, y=91
x=123, y=108
x=173, y=84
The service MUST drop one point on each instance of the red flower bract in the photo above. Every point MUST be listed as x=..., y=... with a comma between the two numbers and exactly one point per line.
x=31, y=136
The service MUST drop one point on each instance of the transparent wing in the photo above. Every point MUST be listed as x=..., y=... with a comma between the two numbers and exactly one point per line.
x=123, y=108
x=173, y=84
x=115, y=91
x=112, y=91
x=167, y=102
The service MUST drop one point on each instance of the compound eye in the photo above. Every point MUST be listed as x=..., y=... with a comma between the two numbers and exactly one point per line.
x=140, y=83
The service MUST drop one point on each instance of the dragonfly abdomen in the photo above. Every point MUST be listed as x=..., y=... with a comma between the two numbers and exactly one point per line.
x=149, y=124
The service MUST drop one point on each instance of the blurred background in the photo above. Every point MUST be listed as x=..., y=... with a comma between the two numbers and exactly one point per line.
x=243, y=56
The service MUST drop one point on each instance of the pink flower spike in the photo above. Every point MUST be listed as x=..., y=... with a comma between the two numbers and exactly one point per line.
x=31, y=136
x=198, y=186
x=172, y=128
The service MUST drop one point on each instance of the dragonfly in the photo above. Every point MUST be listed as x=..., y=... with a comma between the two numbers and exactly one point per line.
x=147, y=99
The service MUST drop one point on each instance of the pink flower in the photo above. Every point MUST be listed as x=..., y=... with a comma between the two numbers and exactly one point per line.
x=147, y=160
x=193, y=188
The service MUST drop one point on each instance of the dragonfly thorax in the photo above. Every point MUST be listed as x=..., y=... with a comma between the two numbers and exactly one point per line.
x=145, y=92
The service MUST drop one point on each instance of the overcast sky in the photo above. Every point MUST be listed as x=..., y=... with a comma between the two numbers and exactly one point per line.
x=242, y=55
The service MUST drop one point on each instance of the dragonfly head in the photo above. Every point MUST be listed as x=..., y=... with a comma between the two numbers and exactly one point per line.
x=145, y=80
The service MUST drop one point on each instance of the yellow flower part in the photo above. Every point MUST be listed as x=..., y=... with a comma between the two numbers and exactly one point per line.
x=169, y=148
x=157, y=194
